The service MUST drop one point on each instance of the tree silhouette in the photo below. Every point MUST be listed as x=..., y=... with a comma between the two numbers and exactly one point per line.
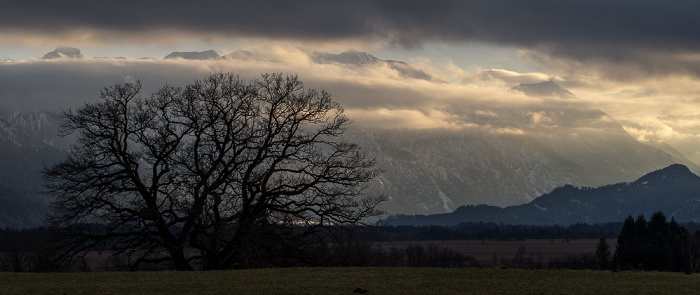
x=223, y=172
x=655, y=245
x=602, y=252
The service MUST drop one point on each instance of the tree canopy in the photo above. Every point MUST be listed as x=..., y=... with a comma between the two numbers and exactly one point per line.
x=220, y=173
x=655, y=245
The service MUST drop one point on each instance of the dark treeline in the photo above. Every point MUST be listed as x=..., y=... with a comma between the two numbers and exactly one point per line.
x=657, y=244
x=27, y=250
x=31, y=238
x=493, y=231
x=31, y=250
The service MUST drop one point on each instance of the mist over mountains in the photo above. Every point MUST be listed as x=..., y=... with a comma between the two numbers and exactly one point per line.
x=492, y=154
x=357, y=58
x=349, y=58
x=436, y=171
x=674, y=190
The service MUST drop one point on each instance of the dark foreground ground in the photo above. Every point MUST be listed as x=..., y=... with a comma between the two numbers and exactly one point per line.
x=347, y=280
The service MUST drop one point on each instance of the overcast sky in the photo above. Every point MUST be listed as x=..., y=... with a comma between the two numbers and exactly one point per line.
x=638, y=61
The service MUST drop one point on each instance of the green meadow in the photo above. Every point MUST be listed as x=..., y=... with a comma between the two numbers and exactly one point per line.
x=347, y=280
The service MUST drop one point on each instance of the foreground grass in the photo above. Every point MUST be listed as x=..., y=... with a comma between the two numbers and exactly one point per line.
x=345, y=280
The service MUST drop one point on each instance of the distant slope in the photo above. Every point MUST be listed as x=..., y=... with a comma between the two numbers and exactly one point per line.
x=358, y=58
x=675, y=190
x=41, y=125
x=511, y=162
x=543, y=89
x=64, y=52
x=22, y=157
x=195, y=55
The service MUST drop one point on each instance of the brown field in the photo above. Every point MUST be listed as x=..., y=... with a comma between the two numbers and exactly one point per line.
x=484, y=250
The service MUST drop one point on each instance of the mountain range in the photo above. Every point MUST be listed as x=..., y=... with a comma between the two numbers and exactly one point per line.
x=347, y=58
x=674, y=190
x=506, y=156
x=511, y=163
x=360, y=59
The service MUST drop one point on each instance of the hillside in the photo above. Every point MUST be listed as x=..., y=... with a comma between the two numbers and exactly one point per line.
x=674, y=190
x=23, y=156
x=511, y=163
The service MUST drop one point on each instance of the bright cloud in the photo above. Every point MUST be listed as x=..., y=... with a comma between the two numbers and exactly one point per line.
x=407, y=119
x=511, y=78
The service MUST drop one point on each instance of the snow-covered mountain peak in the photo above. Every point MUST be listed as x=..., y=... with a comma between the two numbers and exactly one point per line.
x=240, y=55
x=195, y=55
x=359, y=58
x=64, y=52
x=351, y=57
x=546, y=89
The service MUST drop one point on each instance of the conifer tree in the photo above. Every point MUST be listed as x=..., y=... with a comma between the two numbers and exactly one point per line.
x=602, y=252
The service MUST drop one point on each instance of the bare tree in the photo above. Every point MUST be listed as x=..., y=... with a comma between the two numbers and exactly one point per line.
x=228, y=167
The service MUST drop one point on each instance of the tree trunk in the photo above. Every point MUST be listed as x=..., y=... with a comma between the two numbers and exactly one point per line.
x=179, y=259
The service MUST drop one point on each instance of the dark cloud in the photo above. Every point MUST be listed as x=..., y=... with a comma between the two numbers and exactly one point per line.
x=644, y=36
x=561, y=25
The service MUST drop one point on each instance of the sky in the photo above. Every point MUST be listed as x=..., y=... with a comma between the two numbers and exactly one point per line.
x=637, y=61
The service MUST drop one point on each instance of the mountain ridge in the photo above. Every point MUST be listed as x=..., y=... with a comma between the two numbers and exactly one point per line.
x=360, y=58
x=435, y=171
x=675, y=190
x=64, y=52
x=194, y=55
x=543, y=89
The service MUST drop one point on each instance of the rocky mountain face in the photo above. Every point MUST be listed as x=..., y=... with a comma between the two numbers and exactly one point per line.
x=23, y=155
x=195, y=55
x=64, y=52
x=520, y=155
x=358, y=58
x=437, y=171
x=41, y=125
x=674, y=190
x=543, y=89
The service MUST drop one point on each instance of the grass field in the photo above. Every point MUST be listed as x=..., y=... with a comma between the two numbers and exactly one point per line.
x=345, y=280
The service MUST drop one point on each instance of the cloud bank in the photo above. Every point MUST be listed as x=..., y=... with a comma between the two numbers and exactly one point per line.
x=638, y=61
x=377, y=95
x=622, y=41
